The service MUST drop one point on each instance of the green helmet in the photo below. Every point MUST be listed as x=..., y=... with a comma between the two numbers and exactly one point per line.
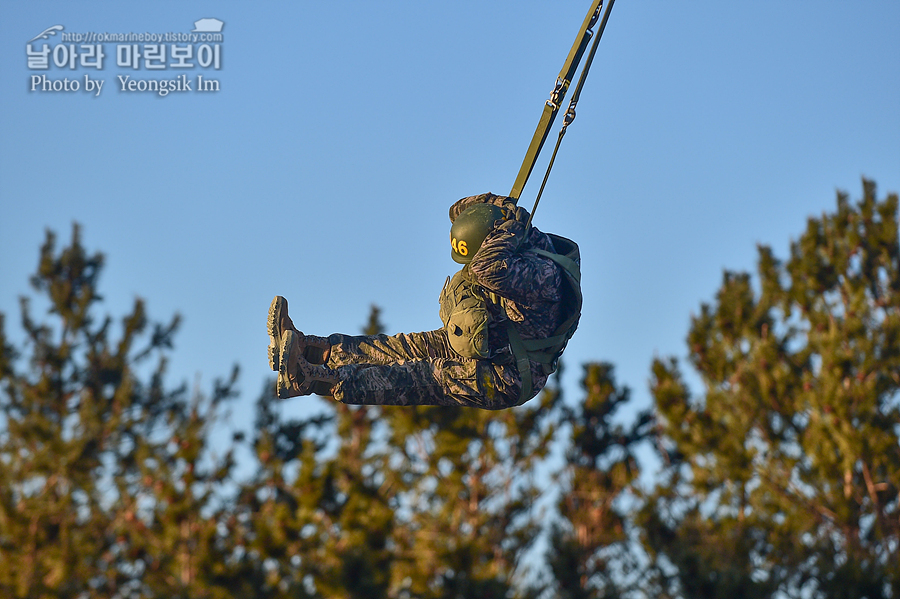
x=470, y=228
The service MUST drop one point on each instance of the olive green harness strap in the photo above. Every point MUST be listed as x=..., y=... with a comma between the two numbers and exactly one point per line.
x=551, y=106
x=570, y=112
x=523, y=363
x=563, y=80
x=567, y=263
x=543, y=351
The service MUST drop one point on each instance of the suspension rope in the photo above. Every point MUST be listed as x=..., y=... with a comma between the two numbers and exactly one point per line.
x=570, y=111
x=551, y=106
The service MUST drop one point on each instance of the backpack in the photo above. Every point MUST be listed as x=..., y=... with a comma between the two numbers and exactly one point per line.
x=547, y=351
x=464, y=313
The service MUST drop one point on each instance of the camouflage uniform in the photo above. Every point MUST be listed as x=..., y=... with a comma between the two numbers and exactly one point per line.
x=422, y=368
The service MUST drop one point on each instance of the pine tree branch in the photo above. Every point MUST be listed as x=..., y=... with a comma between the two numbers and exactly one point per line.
x=873, y=496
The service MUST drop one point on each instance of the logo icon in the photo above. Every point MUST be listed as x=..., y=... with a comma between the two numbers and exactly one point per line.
x=208, y=26
x=46, y=33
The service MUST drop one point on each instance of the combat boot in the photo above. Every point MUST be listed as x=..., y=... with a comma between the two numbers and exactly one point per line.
x=314, y=349
x=296, y=376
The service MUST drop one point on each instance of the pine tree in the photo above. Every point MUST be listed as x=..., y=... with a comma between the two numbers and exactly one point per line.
x=280, y=523
x=591, y=553
x=470, y=488
x=393, y=502
x=106, y=484
x=785, y=473
x=321, y=507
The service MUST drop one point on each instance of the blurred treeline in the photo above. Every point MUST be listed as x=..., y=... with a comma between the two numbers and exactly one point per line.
x=779, y=477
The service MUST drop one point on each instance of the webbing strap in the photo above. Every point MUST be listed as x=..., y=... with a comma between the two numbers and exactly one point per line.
x=551, y=106
x=522, y=361
x=564, y=261
x=535, y=345
x=527, y=350
x=542, y=351
x=570, y=112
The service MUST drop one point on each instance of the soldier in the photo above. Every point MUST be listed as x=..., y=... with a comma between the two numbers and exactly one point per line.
x=504, y=325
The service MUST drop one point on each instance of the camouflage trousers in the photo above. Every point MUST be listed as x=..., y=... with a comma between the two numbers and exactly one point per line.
x=418, y=369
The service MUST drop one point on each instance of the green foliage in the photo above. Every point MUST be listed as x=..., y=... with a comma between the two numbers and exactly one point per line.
x=590, y=553
x=781, y=479
x=785, y=474
x=470, y=489
x=106, y=482
x=394, y=502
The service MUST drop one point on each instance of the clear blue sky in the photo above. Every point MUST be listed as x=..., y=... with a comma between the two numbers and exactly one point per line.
x=323, y=168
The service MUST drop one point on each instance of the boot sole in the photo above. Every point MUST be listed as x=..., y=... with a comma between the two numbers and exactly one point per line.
x=273, y=326
x=282, y=385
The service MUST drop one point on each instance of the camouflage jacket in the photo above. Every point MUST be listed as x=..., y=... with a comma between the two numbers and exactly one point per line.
x=529, y=285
